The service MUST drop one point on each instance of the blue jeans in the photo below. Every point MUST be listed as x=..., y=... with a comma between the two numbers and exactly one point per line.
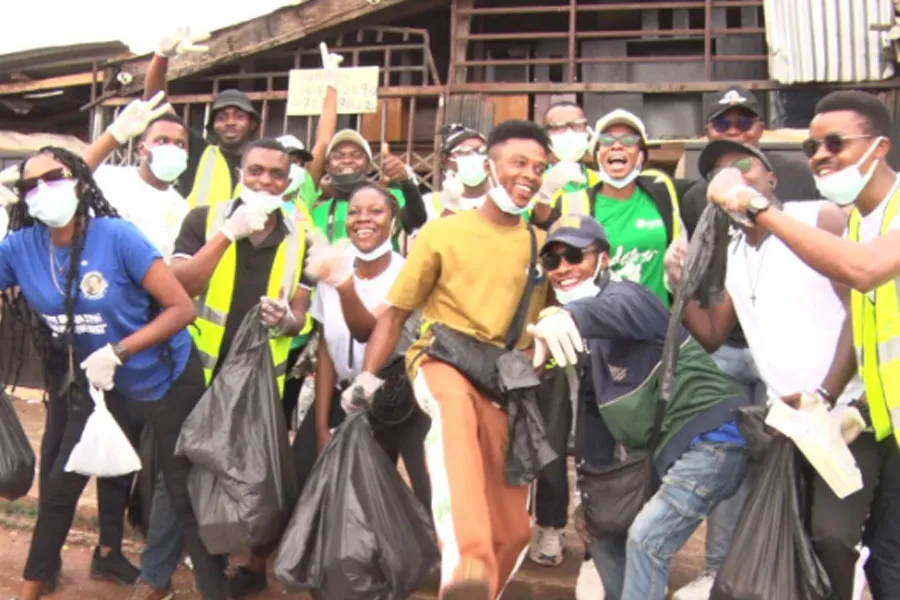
x=637, y=566
x=165, y=543
x=739, y=365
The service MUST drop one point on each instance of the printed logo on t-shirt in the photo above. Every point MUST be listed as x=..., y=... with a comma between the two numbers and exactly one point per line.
x=649, y=223
x=94, y=285
x=90, y=324
x=628, y=266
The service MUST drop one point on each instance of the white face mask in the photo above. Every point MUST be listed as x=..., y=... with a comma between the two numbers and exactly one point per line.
x=168, y=162
x=378, y=252
x=53, y=204
x=624, y=181
x=570, y=146
x=503, y=200
x=471, y=203
x=844, y=187
x=470, y=169
x=298, y=174
x=588, y=288
x=269, y=202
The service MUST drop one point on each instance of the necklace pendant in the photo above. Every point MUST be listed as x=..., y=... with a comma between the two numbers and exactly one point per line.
x=753, y=300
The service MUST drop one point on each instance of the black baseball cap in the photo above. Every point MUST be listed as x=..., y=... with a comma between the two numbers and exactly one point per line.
x=706, y=162
x=578, y=231
x=455, y=134
x=236, y=99
x=733, y=97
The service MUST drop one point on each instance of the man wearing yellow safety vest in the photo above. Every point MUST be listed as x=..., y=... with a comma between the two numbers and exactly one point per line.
x=348, y=161
x=213, y=170
x=850, y=137
x=231, y=257
x=464, y=184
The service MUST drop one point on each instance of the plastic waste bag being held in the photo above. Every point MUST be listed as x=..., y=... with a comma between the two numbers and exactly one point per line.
x=16, y=455
x=242, y=483
x=103, y=450
x=358, y=531
x=771, y=556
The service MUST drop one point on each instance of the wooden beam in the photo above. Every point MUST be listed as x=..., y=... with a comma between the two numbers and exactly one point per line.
x=418, y=91
x=50, y=83
x=269, y=31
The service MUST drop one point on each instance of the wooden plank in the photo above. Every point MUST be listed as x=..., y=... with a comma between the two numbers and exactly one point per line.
x=509, y=107
x=275, y=29
x=433, y=91
x=50, y=83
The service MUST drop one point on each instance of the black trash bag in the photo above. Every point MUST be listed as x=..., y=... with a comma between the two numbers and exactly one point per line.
x=771, y=556
x=751, y=422
x=358, y=532
x=140, y=503
x=16, y=455
x=242, y=483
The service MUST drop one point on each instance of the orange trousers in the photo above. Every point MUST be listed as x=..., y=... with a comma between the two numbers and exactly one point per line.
x=483, y=523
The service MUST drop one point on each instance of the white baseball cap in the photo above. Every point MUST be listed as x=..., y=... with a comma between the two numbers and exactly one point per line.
x=620, y=116
x=352, y=136
x=295, y=146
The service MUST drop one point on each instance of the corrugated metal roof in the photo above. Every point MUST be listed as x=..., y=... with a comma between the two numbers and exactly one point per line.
x=828, y=40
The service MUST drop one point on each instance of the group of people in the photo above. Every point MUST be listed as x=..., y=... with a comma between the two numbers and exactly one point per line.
x=135, y=280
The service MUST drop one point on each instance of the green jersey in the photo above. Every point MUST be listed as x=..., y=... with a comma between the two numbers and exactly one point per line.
x=330, y=216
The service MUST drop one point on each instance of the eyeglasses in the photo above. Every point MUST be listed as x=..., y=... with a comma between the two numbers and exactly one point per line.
x=629, y=140
x=834, y=143
x=573, y=256
x=742, y=123
x=467, y=151
x=562, y=126
x=23, y=186
x=742, y=164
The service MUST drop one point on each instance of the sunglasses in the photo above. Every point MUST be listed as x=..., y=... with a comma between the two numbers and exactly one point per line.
x=573, y=256
x=834, y=143
x=742, y=164
x=629, y=140
x=23, y=186
x=742, y=123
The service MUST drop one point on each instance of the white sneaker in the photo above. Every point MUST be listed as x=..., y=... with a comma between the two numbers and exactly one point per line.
x=547, y=546
x=589, y=586
x=698, y=589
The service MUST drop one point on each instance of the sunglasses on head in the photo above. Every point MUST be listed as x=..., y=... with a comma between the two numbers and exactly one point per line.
x=834, y=143
x=574, y=256
x=23, y=186
x=742, y=123
x=629, y=140
x=742, y=164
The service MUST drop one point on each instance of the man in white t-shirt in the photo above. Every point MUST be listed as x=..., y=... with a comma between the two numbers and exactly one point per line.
x=146, y=194
x=850, y=137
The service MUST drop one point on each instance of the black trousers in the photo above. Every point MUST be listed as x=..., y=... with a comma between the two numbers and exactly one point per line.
x=112, y=492
x=291, y=388
x=552, y=493
x=59, y=496
x=870, y=515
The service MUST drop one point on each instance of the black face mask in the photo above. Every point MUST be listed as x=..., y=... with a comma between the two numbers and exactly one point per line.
x=344, y=183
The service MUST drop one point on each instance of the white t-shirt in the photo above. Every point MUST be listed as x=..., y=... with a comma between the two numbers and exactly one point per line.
x=156, y=213
x=789, y=313
x=326, y=309
x=870, y=225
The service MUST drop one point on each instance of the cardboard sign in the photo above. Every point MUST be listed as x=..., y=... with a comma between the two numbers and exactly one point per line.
x=357, y=91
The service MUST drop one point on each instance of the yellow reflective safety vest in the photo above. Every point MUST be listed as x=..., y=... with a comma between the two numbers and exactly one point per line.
x=580, y=202
x=876, y=338
x=213, y=305
x=212, y=182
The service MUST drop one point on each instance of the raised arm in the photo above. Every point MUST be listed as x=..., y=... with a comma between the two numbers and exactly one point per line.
x=328, y=119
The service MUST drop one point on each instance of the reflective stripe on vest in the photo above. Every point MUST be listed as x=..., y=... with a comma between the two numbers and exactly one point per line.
x=673, y=196
x=436, y=204
x=212, y=182
x=876, y=338
x=215, y=302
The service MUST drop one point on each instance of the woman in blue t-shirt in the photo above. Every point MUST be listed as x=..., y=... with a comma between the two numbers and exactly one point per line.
x=106, y=301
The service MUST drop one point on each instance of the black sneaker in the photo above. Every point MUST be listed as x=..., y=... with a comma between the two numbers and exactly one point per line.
x=245, y=582
x=114, y=567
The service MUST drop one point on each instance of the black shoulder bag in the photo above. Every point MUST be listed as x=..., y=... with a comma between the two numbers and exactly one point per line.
x=476, y=360
x=612, y=496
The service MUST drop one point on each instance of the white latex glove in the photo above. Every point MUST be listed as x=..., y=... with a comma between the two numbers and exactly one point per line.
x=181, y=42
x=558, y=176
x=851, y=423
x=452, y=189
x=331, y=62
x=674, y=261
x=245, y=221
x=729, y=190
x=100, y=367
x=135, y=117
x=556, y=333
x=361, y=392
x=330, y=263
x=276, y=314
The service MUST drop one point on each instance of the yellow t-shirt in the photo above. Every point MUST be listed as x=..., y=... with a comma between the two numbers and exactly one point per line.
x=469, y=274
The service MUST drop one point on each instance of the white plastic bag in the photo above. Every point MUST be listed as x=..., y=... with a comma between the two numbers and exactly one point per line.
x=103, y=450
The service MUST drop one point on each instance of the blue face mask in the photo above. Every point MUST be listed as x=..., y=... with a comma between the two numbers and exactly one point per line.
x=53, y=204
x=168, y=162
x=502, y=199
x=589, y=288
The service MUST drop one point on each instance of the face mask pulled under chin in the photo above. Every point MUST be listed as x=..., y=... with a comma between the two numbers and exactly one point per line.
x=344, y=183
x=268, y=202
x=53, y=204
x=588, y=288
x=624, y=181
x=844, y=187
x=378, y=252
x=502, y=199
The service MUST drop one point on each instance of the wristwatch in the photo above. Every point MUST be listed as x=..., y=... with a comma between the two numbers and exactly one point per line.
x=757, y=205
x=121, y=353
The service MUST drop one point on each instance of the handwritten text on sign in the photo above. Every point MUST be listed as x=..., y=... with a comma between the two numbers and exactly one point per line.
x=357, y=91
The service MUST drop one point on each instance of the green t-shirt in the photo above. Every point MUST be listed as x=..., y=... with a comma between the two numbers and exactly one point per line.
x=308, y=192
x=322, y=212
x=637, y=240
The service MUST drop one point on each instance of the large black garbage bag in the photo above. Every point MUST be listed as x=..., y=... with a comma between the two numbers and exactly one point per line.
x=358, y=531
x=771, y=556
x=242, y=483
x=16, y=454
